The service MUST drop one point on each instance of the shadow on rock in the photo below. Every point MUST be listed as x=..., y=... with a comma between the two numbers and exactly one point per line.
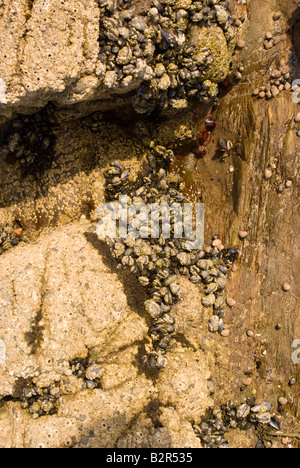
x=135, y=294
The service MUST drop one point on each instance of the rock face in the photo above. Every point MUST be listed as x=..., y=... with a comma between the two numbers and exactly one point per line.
x=46, y=50
x=73, y=327
x=78, y=52
x=60, y=302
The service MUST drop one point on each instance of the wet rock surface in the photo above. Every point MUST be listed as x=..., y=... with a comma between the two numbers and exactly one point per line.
x=79, y=331
x=74, y=328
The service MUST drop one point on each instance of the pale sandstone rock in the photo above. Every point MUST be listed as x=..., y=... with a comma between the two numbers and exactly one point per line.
x=183, y=383
x=49, y=52
x=50, y=49
x=60, y=290
x=59, y=301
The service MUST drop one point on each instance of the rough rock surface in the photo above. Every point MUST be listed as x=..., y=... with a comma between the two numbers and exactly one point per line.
x=47, y=49
x=59, y=301
x=61, y=297
x=50, y=52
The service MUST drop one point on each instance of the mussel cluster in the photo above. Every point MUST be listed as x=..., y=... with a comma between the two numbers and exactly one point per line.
x=249, y=415
x=42, y=401
x=31, y=137
x=154, y=46
x=9, y=237
x=157, y=261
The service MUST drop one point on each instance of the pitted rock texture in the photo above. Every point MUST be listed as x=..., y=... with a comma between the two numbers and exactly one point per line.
x=46, y=49
x=57, y=301
x=47, y=310
x=56, y=51
x=173, y=432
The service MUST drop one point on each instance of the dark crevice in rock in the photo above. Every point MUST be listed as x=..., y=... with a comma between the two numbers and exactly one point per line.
x=19, y=386
x=143, y=368
x=34, y=337
x=30, y=4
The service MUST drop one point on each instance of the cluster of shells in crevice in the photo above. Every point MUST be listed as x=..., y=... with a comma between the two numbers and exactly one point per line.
x=157, y=261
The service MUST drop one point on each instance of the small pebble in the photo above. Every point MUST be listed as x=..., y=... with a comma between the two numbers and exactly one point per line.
x=269, y=35
x=256, y=92
x=278, y=327
x=240, y=44
x=230, y=302
x=250, y=333
x=218, y=243
x=225, y=333
x=282, y=401
x=18, y=231
x=286, y=287
x=297, y=118
x=292, y=382
x=269, y=44
x=298, y=133
x=234, y=268
x=281, y=188
x=268, y=174
x=247, y=382
x=289, y=184
x=243, y=234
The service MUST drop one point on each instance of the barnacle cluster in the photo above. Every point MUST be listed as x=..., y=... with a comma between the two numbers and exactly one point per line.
x=161, y=48
x=157, y=261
